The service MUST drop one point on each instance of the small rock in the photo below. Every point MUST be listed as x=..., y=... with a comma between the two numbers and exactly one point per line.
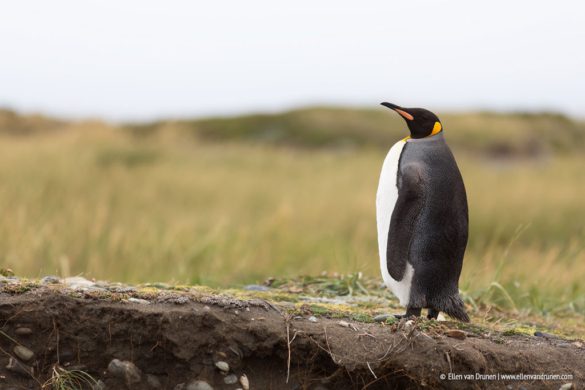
x=408, y=325
x=153, y=381
x=133, y=374
x=230, y=379
x=456, y=334
x=198, y=385
x=51, y=280
x=119, y=289
x=160, y=286
x=222, y=366
x=245, y=382
x=382, y=317
x=126, y=370
x=180, y=300
x=345, y=324
x=566, y=386
x=19, y=368
x=312, y=319
x=23, y=353
x=578, y=344
x=77, y=282
x=138, y=300
x=23, y=331
x=543, y=334
x=12, y=280
x=256, y=287
x=116, y=368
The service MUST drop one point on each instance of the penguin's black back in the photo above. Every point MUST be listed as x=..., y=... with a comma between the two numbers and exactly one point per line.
x=434, y=222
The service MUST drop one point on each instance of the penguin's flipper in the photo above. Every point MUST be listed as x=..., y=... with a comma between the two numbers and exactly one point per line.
x=411, y=194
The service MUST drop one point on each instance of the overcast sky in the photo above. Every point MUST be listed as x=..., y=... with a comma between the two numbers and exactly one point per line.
x=143, y=59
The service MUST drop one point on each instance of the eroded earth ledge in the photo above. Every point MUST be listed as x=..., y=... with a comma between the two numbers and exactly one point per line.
x=120, y=337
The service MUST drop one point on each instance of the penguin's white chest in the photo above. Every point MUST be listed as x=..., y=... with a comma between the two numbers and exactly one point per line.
x=386, y=198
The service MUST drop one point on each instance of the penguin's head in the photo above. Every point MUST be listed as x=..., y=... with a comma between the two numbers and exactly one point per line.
x=421, y=123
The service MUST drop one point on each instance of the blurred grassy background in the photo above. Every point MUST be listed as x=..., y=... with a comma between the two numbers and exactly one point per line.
x=234, y=200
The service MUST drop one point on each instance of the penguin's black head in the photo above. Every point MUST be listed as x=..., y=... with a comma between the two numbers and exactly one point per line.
x=421, y=123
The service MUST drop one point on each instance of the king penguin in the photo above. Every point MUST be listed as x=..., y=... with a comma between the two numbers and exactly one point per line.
x=422, y=218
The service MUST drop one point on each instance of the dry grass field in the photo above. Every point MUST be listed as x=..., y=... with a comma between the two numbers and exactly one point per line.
x=231, y=201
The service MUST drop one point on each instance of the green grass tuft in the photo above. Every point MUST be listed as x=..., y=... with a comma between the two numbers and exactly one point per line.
x=63, y=379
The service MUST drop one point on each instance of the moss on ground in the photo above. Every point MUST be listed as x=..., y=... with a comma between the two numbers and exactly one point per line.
x=347, y=297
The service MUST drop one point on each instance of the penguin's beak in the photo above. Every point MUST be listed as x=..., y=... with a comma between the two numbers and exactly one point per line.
x=399, y=110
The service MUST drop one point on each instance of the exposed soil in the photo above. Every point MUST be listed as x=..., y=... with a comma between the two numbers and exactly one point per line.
x=178, y=338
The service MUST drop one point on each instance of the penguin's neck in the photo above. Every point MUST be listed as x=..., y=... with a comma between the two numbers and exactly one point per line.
x=432, y=138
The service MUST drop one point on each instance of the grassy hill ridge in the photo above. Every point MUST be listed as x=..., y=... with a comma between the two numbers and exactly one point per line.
x=524, y=133
x=498, y=134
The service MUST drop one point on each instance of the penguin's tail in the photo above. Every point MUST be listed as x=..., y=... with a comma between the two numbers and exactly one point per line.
x=455, y=308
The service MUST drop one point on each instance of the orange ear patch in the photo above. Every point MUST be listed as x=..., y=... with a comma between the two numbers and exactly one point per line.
x=404, y=114
x=437, y=128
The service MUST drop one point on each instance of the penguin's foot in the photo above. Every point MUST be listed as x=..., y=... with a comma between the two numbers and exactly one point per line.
x=433, y=314
x=410, y=312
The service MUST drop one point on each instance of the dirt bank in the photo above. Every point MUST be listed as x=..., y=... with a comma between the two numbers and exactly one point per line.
x=174, y=338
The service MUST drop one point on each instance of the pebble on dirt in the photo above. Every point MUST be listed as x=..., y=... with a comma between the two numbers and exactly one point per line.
x=245, y=382
x=153, y=381
x=382, y=317
x=222, y=366
x=256, y=287
x=197, y=385
x=408, y=325
x=126, y=370
x=23, y=331
x=546, y=335
x=51, y=280
x=230, y=379
x=76, y=282
x=138, y=300
x=312, y=319
x=456, y=334
x=23, y=353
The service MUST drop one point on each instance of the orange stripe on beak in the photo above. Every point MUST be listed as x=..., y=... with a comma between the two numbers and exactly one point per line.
x=404, y=114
